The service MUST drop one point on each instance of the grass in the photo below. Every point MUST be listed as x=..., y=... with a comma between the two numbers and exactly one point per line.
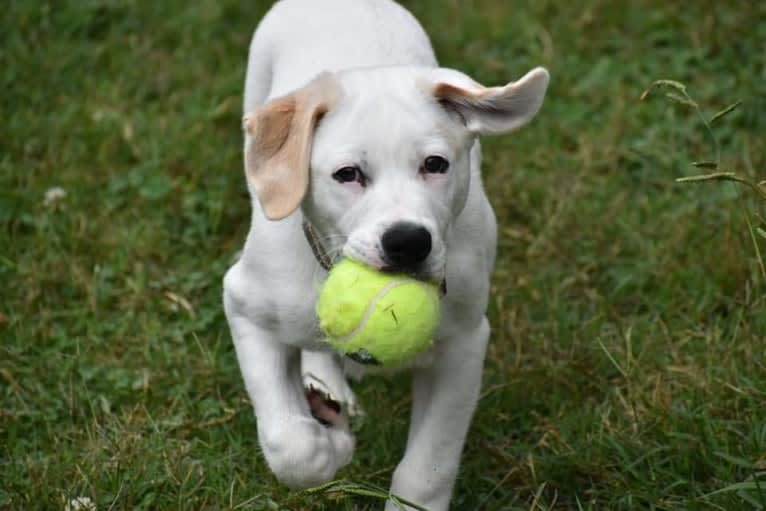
x=626, y=369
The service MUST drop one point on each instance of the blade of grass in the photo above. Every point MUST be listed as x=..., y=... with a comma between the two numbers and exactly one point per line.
x=724, y=176
x=755, y=244
x=612, y=360
x=363, y=490
x=724, y=112
x=705, y=164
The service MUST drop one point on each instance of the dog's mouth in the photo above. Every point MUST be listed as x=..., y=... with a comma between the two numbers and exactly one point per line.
x=419, y=272
x=420, y=275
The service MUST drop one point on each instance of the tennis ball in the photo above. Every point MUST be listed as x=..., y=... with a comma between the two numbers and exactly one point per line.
x=377, y=318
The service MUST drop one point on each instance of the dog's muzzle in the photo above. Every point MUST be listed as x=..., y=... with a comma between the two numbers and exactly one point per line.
x=417, y=239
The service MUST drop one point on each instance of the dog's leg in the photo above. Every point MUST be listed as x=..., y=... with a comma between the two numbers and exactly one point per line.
x=300, y=450
x=444, y=399
x=322, y=373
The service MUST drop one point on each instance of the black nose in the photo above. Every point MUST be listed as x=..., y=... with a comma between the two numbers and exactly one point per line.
x=406, y=244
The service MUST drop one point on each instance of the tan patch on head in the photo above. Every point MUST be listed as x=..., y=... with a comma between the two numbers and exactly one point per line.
x=278, y=145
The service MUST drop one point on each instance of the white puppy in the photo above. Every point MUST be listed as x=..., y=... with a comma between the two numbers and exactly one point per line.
x=358, y=143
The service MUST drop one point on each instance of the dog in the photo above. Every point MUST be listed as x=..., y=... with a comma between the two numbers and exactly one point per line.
x=357, y=144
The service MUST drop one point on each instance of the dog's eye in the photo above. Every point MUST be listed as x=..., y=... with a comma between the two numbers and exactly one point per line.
x=349, y=175
x=435, y=165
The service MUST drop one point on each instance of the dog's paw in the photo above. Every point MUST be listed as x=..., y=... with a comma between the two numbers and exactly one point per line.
x=323, y=377
x=303, y=453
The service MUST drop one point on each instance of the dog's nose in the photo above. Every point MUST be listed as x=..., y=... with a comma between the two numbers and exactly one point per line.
x=406, y=244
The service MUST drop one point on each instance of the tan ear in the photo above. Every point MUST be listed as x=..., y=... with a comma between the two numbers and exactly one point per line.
x=492, y=109
x=278, y=144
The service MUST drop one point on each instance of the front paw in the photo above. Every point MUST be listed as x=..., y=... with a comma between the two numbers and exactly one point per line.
x=302, y=452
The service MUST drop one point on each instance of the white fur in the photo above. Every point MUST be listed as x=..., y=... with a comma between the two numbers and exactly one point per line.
x=387, y=123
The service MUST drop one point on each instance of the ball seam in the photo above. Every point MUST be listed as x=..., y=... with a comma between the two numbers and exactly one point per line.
x=371, y=308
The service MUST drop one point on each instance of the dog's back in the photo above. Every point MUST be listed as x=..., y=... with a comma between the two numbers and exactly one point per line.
x=298, y=39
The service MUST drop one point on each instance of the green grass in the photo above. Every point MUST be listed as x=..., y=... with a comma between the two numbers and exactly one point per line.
x=626, y=369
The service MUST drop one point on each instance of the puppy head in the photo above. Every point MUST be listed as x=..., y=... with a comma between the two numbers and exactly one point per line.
x=390, y=162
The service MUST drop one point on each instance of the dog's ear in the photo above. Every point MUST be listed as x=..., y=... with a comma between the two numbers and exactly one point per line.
x=491, y=109
x=278, y=144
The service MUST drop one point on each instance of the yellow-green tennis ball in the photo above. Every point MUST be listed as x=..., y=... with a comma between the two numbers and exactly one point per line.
x=377, y=318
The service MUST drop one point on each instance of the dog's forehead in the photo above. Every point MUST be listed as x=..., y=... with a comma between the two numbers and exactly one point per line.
x=386, y=107
x=387, y=91
x=391, y=78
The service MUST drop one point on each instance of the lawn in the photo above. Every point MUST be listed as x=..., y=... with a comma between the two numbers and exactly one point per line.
x=626, y=368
